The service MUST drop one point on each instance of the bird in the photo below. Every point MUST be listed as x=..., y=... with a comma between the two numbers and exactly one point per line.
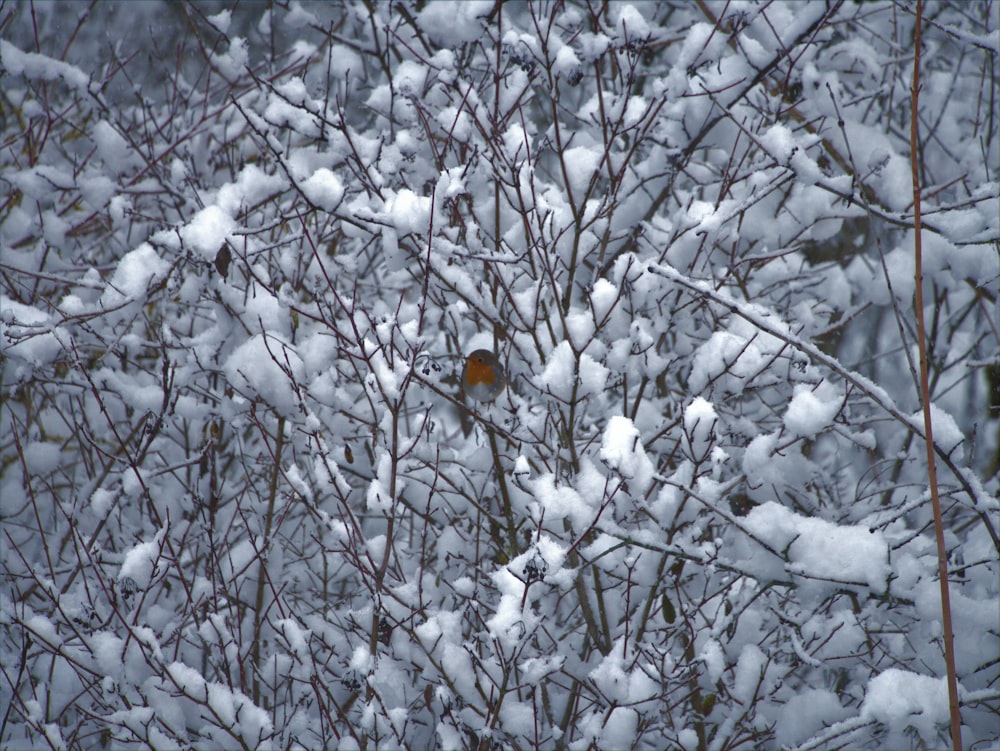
x=483, y=378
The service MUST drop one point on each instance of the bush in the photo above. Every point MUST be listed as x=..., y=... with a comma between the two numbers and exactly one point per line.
x=245, y=252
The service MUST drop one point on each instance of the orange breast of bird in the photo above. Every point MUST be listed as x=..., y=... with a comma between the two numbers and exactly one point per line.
x=483, y=377
x=478, y=372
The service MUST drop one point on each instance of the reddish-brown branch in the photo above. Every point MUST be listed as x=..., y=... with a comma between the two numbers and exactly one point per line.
x=925, y=398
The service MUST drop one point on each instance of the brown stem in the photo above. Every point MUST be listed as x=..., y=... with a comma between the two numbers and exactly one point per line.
x=259, y=610
x=925, y=398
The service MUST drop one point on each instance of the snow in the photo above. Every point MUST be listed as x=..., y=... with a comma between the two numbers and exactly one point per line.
x=454, y=21
x=221, y=20
x=42, y=458
x=345, y=62
x=233, y=62
x=444, y=624
x=101, y=502
x=252, y=186
x=560, y=501
x=711, y=654
x=324, y=189
x=728, y=361
x=580, y=162
x=816, y=548
x=517, y=717
x=35, y=66
x=566, y=62
x=407, y=212
x=603, y=297
x=408, y=79
x=812, y=409
x=947, y=435
x=699, y=428
x=114, y=149
x=559, y=377
x=622, y=452
x=593, y=377
x=517, y=143
x=299, y=17
x=296, y=636
x=750, y=668
x=592, y=45
x=621, y=682
x=24, y=333
x=902, y=699
x=207, y=231
x=137, y=271
x=510, y=621
x=700, y=473
x=688, y=739
x=805, y=714
x=119, y=208
x=620, y=728
x=779, y=142
x=144, y=561
x=231, y=707
x=630, y=25
x=263, y=368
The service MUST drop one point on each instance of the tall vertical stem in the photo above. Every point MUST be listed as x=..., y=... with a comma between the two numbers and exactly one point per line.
x=925, y=398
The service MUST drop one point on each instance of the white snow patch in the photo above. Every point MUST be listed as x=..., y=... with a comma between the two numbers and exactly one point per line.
x=821, y=549
x=631, y=26
x=232, y=63
x=408, y=79
x=207, y=230
x=257, y=368
x=779, y=142
x=622, y=681
x=623, y=452
x=749, y=673
x=454, y=22
x=812, y=410
x=603, y=298
x=42, y=457
x=699, y=428
x=113, y=148
x=324, y=189
x=558, y=377
x=25, y=333
x=143, y=561
x=688, y=739
x=806, y=714
x=101, y=501
x=298, y=17
x=715, y=661
x=517, y=143
x=221, y=20
x=251, y=187
x=136, y=272
x=108, y=651
x=35, y=66
x=946, y=432
x=510, y=622
x=593, y=376
x=566, y=62
x=232, y=708
x=408, y=212
x=901, y=699
x=581, y=162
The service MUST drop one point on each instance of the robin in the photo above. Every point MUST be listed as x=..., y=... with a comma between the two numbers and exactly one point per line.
x=483, y=378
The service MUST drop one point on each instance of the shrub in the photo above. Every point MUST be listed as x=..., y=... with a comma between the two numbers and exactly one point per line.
x=245, y=253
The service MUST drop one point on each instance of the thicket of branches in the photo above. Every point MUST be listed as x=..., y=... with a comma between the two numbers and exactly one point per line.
x=244, y=254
